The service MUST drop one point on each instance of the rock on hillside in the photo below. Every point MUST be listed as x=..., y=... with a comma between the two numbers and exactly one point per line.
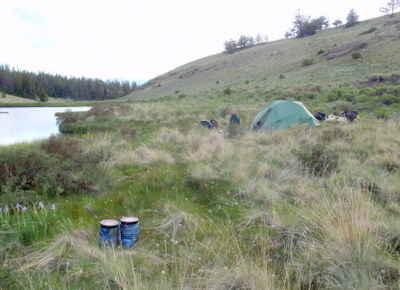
x=345, y=49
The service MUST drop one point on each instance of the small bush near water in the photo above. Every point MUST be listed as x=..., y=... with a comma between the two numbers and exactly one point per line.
x=59, y=166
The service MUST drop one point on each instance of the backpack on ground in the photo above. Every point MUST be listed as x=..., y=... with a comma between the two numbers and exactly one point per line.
x=209, y=124
x=320, y=116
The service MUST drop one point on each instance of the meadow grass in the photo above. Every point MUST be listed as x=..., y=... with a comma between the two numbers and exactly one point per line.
x=295, y=209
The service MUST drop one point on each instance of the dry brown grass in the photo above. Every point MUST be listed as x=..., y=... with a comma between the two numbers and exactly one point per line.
x=69, y=253
x=245, y=276
x=146, y=155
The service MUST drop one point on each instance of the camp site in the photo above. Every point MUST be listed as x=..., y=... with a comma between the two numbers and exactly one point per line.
x=162, y=188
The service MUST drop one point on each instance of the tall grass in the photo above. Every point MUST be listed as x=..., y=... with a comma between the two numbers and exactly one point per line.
x=28, y=224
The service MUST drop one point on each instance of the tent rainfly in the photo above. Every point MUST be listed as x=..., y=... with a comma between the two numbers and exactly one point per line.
x=281, y=115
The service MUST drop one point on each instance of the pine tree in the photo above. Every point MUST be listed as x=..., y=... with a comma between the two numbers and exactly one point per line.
x=43, y=97
x=42, y=86
x=352, y=18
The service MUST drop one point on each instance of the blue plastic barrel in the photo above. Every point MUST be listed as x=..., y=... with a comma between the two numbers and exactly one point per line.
x=109, y=233
x=130, y=230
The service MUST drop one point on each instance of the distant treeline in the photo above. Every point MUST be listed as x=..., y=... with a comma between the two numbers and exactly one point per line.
x=244, y=41
x=41, y=86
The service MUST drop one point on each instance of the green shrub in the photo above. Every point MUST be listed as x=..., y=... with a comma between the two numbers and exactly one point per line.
x=307, y=62
x=63, y=146
x=24, y=169
x=70, y=117
x=356, y=55
x=59, y=166
x=227, y=91
x=382, y=113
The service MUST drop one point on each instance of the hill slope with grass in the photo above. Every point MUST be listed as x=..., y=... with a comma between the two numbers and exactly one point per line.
x=290, y=62
x=11, y=100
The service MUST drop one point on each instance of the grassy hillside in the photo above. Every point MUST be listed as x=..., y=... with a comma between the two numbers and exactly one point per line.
x=10, y=99
x=279, y=63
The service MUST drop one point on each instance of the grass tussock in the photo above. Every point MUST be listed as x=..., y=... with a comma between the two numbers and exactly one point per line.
x=146, y=155
x=345, y=230
x=77, y=255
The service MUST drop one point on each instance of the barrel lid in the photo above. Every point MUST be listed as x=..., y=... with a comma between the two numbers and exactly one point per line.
x=129, y=220
x=109, y=223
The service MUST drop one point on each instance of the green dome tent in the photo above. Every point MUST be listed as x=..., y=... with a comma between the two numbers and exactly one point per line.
x=282, y=115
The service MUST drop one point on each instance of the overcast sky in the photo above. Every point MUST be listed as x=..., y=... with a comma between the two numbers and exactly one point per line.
x=132, y=39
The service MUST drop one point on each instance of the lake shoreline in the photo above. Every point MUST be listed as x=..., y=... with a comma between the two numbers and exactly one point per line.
x=26, y=124
x=45, y=105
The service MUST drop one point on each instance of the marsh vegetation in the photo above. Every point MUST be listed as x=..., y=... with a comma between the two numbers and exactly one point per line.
x=295, y=209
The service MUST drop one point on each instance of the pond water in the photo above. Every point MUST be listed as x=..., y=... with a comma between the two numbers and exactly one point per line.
x=30, y=123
